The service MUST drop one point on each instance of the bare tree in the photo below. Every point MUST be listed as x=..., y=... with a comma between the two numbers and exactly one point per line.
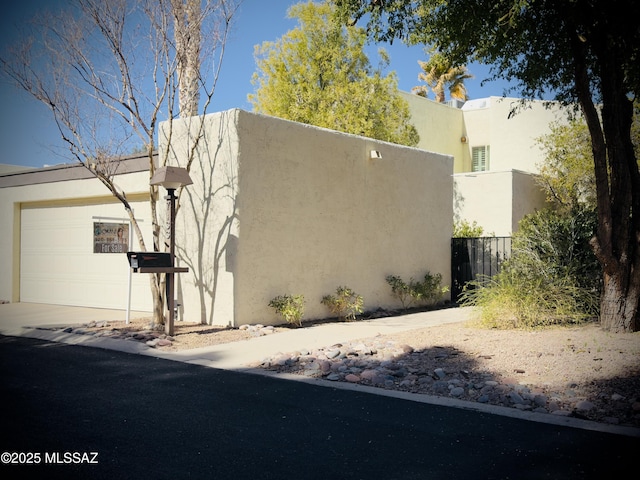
x=109, y=72
x=188, y=24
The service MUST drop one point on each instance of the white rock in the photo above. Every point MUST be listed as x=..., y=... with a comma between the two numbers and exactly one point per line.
x=457, y=392
x=584, y=405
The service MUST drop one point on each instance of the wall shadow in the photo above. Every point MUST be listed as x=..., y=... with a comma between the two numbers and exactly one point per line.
x=209, y=242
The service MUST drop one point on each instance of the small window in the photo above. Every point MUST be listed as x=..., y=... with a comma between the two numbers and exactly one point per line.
x=480, y=159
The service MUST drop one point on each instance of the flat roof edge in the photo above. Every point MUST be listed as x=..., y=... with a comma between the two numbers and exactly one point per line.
x=70, y=171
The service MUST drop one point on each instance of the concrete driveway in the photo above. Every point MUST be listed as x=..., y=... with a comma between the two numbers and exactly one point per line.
x=16, y=316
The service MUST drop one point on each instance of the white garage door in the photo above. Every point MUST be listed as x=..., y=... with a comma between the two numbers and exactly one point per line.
x=58, y=264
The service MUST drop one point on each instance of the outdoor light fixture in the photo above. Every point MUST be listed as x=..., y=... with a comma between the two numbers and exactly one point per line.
x=171, y=178
x=375, y=154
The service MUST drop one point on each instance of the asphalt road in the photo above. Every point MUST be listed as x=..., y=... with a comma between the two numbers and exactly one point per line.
x=79, y=412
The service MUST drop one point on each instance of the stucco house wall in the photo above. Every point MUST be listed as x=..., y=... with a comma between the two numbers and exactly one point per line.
x=507, y=126
x=308, y=210
x=510, y=130
x=497, y=201
x=208, y=214
x=527, y=196
x=441, y=129
x=511, y=134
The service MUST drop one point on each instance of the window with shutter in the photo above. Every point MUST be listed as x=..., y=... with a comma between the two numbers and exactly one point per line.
x=480, y=159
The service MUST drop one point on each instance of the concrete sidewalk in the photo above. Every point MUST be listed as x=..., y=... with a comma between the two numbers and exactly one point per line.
x=239, y=355
x=24, y=319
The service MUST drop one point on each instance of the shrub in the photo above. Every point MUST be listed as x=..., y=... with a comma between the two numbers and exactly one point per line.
x=430, y=290
x=345, y=304
x=427, y=292
x=401, y=290
x=557, y=246
x=291, y=307
x=551, y=278
x=464, y=229
x=506, y=301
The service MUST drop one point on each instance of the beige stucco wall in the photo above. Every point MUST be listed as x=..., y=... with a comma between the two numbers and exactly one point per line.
x=441, y=128
x=312, y=212
x=514, y=152
x=206, y=222
x=497, y=201
x=512, y=138
x=527, y=197
x=57, y=251
x=487, y=121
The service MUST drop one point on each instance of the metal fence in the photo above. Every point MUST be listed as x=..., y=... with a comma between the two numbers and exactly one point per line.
x=473, y=258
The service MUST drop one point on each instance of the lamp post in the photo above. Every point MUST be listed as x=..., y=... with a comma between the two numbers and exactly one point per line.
x=171, y=178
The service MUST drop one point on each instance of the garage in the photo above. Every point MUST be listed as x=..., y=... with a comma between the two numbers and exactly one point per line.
x=75, y=254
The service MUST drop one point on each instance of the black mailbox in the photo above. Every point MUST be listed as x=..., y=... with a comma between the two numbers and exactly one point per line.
x=148, y=259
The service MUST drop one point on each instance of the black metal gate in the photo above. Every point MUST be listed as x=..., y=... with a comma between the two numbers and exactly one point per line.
x=476, y=257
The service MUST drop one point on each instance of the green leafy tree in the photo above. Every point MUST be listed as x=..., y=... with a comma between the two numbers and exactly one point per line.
x=566, y=174
x=585, y=52
x=440, y=75
x=318, y=74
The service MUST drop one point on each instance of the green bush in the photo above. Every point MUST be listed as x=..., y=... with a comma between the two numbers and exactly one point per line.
x=507, y=301
x=290, y=307
x=556, y=246
x=551, y=278
x=464, y=229
x=427, y=292
x=345, y=304
x=401, y=290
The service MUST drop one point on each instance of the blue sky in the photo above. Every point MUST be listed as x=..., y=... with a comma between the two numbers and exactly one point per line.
x=28, y=133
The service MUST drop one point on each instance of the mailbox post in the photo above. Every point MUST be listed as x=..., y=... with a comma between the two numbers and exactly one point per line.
x=171, y=178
